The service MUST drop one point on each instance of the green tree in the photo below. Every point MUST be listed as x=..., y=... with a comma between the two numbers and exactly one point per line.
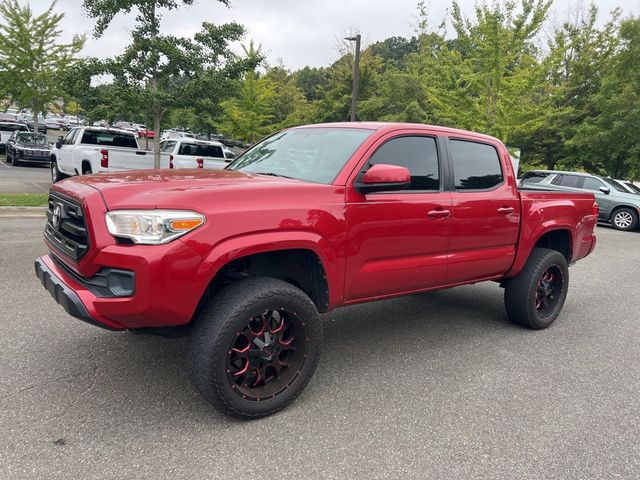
x=158, y=67
x=31, y=56
x=608, y=139
x=250, y=115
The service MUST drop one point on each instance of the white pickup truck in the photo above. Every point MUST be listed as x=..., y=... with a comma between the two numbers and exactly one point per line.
x=192, y=153
x=86, y=150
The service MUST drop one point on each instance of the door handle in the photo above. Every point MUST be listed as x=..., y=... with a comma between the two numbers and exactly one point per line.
x=439, y=213
x=506, y=210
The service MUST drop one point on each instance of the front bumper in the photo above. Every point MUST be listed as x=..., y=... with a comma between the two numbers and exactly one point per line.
x=64, y=295
x=169, y=282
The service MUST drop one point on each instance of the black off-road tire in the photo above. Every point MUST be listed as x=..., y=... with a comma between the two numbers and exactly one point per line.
x=219, y=324
x=624, y=219
x=522, y=293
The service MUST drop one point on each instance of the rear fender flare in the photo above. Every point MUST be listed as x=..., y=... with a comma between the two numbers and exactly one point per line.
x=525, y=248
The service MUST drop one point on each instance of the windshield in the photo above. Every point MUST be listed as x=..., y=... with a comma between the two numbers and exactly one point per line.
x=614, y=184
x=34, y=138
x=312, y=154
x=633, y=186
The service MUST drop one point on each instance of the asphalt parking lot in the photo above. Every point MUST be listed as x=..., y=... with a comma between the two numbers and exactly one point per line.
x=436, y=385
x=29, y=179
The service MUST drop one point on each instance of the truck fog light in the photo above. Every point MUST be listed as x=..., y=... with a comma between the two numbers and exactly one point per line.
x=121, y=284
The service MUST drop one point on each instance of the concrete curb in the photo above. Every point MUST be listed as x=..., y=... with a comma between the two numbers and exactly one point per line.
x=9, y=212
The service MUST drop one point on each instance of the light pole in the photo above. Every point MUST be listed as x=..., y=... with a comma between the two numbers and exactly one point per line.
x=356, y=76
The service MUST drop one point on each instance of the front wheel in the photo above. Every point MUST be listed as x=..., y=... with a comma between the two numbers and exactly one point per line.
x=56, y=174
x=254, y=347
x=624, y=219
x=535, y=297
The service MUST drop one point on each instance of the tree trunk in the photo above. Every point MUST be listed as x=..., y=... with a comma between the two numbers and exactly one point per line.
x=157, y=117
x=35, y=118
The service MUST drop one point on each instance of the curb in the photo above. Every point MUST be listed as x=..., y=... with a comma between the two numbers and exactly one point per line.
x=17, y=212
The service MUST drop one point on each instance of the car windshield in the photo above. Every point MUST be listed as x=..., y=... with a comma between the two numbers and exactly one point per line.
x=633, y=187
x=312, y=154
x=34, y=138
x=614, y=184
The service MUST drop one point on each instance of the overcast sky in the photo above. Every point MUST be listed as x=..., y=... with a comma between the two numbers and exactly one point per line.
x=298, y=32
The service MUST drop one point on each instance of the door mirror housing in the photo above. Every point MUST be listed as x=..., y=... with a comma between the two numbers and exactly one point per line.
x=605, y=190
x=59, y=142
x=384, y=178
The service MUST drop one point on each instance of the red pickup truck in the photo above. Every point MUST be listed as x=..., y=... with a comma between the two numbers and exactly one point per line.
x=310, y=219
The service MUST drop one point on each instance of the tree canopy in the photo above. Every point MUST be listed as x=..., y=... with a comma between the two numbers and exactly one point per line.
x=32, y=57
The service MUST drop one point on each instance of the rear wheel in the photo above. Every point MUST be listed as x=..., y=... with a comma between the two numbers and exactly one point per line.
x=535, y=297
x=86, y=169
x=624, y=219
x=254, y=347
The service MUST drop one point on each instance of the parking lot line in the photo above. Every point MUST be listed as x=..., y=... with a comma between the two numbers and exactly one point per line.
x=4, y=165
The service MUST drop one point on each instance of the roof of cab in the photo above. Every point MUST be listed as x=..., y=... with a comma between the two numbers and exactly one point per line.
x=390, y=126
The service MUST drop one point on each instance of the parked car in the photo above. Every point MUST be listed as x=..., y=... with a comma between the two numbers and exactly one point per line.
x=618, y=206
x=629, y=186
x=71, y=122
x=310, y=219
x=42, y=125
x=11, y=115
x=86, y=150
x=173, y=134
x=28, y=147
x=55, y=122
x=190, y=153
x=143, y=132
x=7, y=129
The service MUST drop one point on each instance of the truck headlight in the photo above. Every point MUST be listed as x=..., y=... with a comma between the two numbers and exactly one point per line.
x=152, y=227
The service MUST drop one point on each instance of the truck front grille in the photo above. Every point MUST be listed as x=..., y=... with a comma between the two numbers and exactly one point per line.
x=66, y=229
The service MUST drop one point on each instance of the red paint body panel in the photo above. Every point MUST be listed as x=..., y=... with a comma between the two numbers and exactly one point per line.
x=371, y=246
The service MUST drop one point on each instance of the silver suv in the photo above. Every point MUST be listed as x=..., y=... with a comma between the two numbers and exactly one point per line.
x=617, y=206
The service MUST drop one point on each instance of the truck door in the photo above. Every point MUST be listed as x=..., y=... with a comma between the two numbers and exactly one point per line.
x=486, y=211
x=66, y=152
x=398, y=240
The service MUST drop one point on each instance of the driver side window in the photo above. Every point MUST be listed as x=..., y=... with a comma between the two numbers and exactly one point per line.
x=69, y=138
x=418, y=154
x=592, y=184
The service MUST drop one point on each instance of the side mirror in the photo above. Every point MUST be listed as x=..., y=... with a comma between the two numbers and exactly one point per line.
x=59, y=142
x=605, y=190
x=383, y=177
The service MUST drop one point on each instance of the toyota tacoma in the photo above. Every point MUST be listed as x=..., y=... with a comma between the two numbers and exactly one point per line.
x=310, y=219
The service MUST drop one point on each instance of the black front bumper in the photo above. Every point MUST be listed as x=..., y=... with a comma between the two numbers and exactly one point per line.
x=63, y=294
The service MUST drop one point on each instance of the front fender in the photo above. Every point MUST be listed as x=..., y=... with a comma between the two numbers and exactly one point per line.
x=261, y=242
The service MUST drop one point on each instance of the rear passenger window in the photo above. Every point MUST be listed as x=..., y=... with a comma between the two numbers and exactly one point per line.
x=476, y=166
x=571, y=181
x=534, y=177
x=418, y=154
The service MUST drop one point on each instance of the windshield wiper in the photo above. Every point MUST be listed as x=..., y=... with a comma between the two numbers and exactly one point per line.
x=271, y=174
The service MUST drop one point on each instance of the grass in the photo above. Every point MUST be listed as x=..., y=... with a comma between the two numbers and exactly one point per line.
x=23, y=199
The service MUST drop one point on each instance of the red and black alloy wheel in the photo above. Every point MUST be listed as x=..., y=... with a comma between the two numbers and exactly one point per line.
x=267, y=355
x=548, y=290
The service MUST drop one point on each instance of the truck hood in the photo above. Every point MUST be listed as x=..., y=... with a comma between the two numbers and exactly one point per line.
x=176, y=188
